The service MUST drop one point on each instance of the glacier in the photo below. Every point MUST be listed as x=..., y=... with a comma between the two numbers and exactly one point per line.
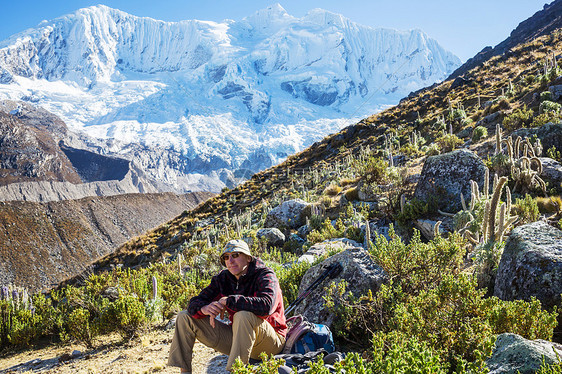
x=200, y=105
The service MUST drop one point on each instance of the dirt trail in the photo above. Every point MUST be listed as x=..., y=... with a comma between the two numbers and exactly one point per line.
x=147, y=354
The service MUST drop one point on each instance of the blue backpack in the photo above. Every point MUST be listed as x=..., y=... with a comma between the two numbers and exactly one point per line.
x=304, y=336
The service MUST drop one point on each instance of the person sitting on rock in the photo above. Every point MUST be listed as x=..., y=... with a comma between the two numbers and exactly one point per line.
x=250, y=293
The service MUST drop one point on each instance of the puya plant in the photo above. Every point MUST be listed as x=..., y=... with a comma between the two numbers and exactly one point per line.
x=481, y=221
x=523, y=161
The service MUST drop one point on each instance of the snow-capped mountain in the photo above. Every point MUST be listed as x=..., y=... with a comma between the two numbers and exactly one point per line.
x=196, y=103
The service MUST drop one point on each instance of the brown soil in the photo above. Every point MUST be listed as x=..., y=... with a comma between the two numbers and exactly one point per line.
x=147, y=354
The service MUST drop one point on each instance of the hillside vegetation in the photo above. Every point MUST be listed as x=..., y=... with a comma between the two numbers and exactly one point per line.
x=434, y=316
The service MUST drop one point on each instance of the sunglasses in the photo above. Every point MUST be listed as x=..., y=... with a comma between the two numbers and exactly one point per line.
x=225, y=257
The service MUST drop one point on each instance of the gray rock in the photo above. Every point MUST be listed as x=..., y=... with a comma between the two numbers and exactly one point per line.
x=426, y=228
x=303, y=231
x=321, y=249
x=272, y=235
x=550, y=135
x=290, y=214
x=490, y=119
x=444, y=177
x=514, y=354
x=531, y=265
x=360, y=272
x=556, y=92
x=551, y=171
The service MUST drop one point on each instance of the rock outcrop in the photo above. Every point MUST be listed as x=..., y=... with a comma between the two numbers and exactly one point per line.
x=289, y=214
x=531, y=265
x=445, y=177
x=322, y=249
x=271, y=235
x=550, y=135
x=514, y=354
x=551, y=172
x=359, y=271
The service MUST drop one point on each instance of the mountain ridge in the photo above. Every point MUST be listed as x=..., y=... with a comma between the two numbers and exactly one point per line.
x=224, y=98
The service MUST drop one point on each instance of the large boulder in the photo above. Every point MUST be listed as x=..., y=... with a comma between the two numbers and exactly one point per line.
x=288, y=215
x=531, y=265
x=550, y=135
x=444, y=177
x=515, y=354
x=322, y=249
x=272, y=236
x=359, y=271
x=556, y=91
x=551, y=171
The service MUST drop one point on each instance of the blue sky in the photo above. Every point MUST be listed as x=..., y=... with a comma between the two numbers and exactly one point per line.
x=463, y=27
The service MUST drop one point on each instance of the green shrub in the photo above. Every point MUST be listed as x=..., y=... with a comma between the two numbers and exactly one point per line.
x=478, y=133
x=431, y=150
x=518, y=118
x=448, y=142
x=374, y=169
x=544, y=118
x=79, y=326
x=546, y=95
x=554, y=154
x=549, y=106
x=398, y=352
x=126, y=314
x=527, y=209
x=415, y=209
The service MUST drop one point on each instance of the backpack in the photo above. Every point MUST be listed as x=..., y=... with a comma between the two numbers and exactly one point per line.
x=305, y=336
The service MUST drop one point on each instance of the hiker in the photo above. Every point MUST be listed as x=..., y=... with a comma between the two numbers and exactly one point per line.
x=250, y=293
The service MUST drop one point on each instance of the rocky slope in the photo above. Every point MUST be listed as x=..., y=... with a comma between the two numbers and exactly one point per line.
x=41, y=160
x=44, y=243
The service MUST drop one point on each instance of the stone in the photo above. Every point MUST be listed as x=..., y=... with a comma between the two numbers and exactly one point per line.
x=550, y=135
x=359, y=271
x=556, y=91
x=303, y=231
x=425, y=226
x=321, y=249
x=531, y=265
x=490, y=119
x=551, y=172
x=444, y=177
x=272, y=235
x=111, y=293
x=288, y=215
x=460, y=81
x=515, y=354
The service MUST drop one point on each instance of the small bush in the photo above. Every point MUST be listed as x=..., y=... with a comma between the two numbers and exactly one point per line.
x=518, y=118
x=332, y=190
x=478, y=133
x=549, y=106
x=546, y=95
x=544, y=118
x=126, y=314
x=527, y=209
x=431, y=150
x=448, y=142
x=415, y=209
x=554, y=154
x=79, y=326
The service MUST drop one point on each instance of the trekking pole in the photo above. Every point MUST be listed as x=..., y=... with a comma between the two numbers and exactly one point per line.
x=332, y=271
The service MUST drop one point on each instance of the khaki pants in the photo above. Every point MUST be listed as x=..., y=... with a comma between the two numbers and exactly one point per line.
x=247, y=337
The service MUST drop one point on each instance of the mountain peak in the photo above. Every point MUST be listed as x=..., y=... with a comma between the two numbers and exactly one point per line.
x=272, y=17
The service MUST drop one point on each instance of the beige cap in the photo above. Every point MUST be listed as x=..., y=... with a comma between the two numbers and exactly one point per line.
x=235, y=245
